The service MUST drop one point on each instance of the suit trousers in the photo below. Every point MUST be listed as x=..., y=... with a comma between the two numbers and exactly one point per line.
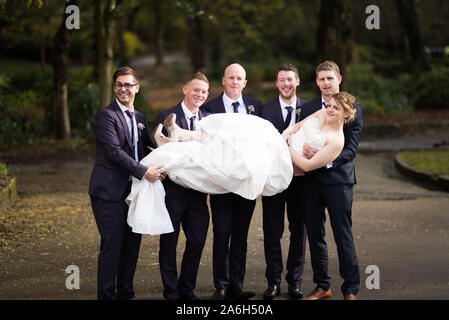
x=338, y=200
x=273, y=228
x=119, y=250
x=231, y=217
x=189, y=211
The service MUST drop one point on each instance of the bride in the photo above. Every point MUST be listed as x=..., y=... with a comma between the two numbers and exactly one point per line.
x=237, y=153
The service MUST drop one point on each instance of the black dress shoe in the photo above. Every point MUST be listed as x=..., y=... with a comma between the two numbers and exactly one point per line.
x=219, y=294
x=295, y=291
x=272, y=291
x=189, y=297
x=239, y=293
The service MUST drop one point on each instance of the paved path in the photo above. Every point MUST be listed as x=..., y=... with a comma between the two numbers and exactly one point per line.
x=398, y=226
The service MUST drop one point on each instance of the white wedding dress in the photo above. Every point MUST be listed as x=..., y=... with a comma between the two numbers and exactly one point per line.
x=242, y=154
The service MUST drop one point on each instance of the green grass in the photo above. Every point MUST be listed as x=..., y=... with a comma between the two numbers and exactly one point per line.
x=434, y=161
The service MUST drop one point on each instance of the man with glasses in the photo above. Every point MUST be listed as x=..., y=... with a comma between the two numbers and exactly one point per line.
x=121, y=142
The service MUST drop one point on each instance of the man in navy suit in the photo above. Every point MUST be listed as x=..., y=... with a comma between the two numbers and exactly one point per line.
x=283, y=112
x=331, y=187
x=121, y=141
x=231, y=213
x=186, y=207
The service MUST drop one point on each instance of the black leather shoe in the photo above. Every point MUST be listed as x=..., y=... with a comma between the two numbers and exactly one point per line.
x=295, y=291
x=272, y=291
x=219, y=294
x=239, y=293
x=189, y=297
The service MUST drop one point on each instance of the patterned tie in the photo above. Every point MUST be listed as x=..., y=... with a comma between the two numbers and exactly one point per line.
x=131, y=116
x=289, y=117
x=236, y=106
x=192, y=119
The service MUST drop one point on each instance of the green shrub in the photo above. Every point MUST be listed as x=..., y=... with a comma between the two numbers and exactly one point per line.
x=381, y=96
x=3, y=169
x=431, y=90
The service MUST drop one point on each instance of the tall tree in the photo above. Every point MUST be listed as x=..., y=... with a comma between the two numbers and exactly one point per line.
x=61, y=120
x=195, y=12
x=104, y=32
x=334, y=35
x=410, y=25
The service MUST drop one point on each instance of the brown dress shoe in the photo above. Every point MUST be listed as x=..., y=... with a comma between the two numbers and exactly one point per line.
x=350, y=297
x=318, y=294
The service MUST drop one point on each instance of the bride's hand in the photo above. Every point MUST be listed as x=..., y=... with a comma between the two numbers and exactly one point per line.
x=286, y=134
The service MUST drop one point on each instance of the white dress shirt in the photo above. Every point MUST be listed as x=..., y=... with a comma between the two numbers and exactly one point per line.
x=285, y=111
x=189, y=114
x=128, y=122
x=230, y=108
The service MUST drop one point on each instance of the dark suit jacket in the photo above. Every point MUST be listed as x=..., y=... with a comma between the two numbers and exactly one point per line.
x=170, y=187
x=342, y=170
x=114, y=160
x=271, y=111
x=216, y=105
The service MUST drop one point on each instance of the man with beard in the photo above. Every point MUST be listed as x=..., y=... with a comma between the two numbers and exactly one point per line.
x=283, y=112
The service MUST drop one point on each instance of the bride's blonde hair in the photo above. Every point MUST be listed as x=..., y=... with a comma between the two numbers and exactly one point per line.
x=348, y=103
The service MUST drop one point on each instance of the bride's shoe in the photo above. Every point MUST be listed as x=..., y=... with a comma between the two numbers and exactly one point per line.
x=159, y=137
x=175, y=132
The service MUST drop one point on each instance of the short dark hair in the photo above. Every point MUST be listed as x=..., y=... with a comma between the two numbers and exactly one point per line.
x=287, y=67
x=124, y=71
x=197, y=76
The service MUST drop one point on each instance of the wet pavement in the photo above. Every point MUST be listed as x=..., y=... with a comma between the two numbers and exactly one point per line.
x=398, y=226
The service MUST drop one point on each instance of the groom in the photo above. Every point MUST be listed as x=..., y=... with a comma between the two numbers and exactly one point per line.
x=331, y=187
x=121, y=141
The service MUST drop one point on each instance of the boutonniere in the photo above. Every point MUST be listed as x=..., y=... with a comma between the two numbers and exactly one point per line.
x=250, y=109
x=140, y=126
x=298, y=113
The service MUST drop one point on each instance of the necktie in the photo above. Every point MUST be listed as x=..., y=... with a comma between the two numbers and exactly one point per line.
x=192, y=119
x=289, y=117
x=133, y=138
x=325, y=105
x=236, y=106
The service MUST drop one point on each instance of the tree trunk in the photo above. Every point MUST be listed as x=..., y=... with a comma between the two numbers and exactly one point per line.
x=409, y=21
x=61, y=120
x=334, y=36
x=104, y=30
x=159, y=15
x=196, y=44
x=42, y=53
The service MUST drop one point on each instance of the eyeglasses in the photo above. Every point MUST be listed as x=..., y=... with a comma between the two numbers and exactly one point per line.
x=127, y=86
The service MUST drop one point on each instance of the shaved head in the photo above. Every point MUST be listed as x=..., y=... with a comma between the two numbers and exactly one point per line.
x=234, y=80
x=235, y=67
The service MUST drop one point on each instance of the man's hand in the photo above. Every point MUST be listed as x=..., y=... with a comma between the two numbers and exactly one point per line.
x=308, y=152
x=153, y=174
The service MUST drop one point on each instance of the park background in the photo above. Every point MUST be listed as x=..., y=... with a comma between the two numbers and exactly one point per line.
x=53, y=79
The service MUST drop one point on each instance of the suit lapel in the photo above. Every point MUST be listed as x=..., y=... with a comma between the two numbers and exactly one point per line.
x=221, y=107
x=124, y=123
x=278, y=115
x=298, y=109
x=181, y=118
